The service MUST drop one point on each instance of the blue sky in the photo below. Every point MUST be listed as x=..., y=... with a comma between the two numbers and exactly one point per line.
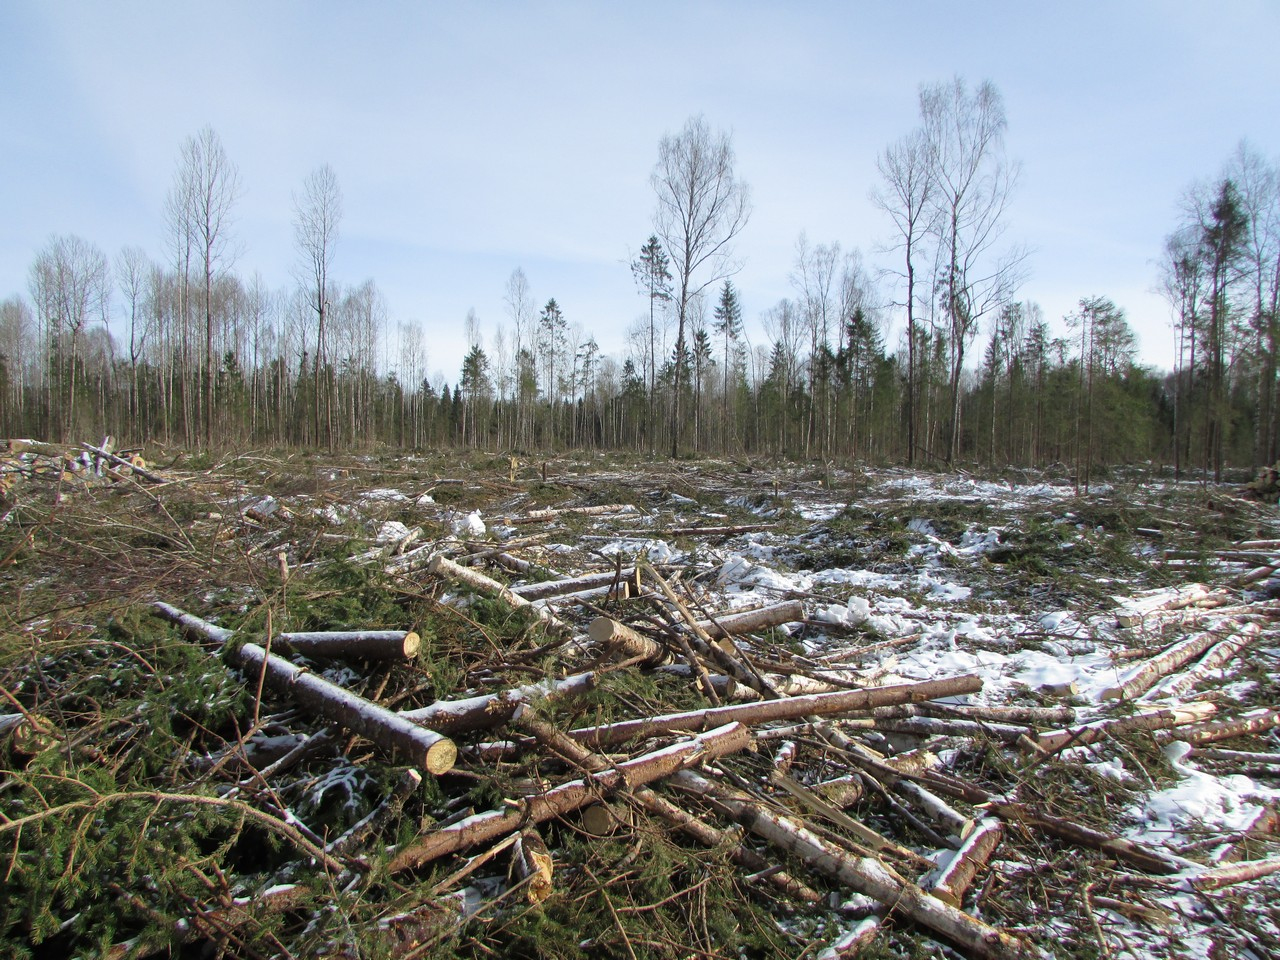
x=473, y=138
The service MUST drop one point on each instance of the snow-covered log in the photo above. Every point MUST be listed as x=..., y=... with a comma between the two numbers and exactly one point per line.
x=1101, y=729
x=1214, y=659
x=950, y=882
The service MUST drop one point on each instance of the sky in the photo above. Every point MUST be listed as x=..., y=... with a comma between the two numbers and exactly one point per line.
x=471, y=139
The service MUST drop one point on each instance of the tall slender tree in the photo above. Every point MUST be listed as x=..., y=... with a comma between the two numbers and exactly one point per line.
x=316, y=215
x=702, y=207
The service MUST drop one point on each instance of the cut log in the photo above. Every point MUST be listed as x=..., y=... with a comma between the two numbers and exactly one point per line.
x=1055, y=740
x=137, y=468
x=1136, y=607
x=703, y=643
x=864, y=875
x=622, y=642
x=1242, y=757
x=421, y=747
x=1000, y=714
x=568, y=797
x=705, y=834
x=588, y=581
x=951, y=881
x=1144, y=676
x=1127, y=851
x=536, y=516
x=753, y=621
x=495, y=709
x=1243, y=872
x=442, y=566
x=377, y=818
x=792, y=708
x=1214, y=659
x=722, y=531
x=357, y=644
x=946, y=727
x=1258, y=721
x=533, y=865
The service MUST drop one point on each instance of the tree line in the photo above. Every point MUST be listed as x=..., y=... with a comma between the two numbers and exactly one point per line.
x=205, y=356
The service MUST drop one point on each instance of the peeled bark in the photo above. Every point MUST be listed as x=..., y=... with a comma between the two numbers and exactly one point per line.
x=791, y=708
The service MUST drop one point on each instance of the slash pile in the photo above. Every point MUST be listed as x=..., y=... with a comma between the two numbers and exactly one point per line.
x=688, y=713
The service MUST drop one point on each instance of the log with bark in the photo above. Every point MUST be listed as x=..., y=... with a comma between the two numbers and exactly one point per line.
x=1145, y=675
x=789, y=708
x=571, y=796
x=421, y=747
x=1213, y=660
x=494, y=709
x=951, y=881
x=1258, y=721
x=865, y=875
x=1055, y=740
x=1127, y=851
x=356, y=644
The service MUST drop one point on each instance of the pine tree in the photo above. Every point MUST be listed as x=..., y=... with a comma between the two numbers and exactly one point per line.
x=728, y=324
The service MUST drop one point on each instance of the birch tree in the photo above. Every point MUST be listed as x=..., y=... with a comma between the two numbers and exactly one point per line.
x=317, y=213
x=972, y=184
x=702, y=207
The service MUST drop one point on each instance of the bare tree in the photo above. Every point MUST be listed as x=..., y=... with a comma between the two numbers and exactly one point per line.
x=16, y=352
x=972, y=185
x=906, y=196
x=205, y=188
x=702, y=206
x=315, y=230
x=132, y=270
x=71, y=288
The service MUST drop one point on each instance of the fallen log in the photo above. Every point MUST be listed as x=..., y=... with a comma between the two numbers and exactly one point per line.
x=752, y=621
x=721, y=531
x=865, y=875
x=421, y=747
x=1136, y=607
x=791, y=708
x=705, y=834
x=442, y=566
x=1001, y=714
x=1127, y=851
x=951, y=881
x=1219, y=877
x=534, y=516
x=618, y=640
x=1215, y=658
x=1144, y=676
x=1055, y=740
x=533, y=865
x=589, y=581
x=1256, y=722
x=495, y=709
x=568, y=797
x=357, y=644
x=1245, y=757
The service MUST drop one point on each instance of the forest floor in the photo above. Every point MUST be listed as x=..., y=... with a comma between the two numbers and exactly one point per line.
x=1080, y=793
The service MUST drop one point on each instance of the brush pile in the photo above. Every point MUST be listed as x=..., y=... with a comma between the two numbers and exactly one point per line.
x=639, y=712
